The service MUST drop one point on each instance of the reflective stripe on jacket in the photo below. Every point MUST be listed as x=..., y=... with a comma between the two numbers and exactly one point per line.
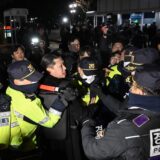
x=16, y=136
x=33, y=110
x=86, y=98
x=4, y=129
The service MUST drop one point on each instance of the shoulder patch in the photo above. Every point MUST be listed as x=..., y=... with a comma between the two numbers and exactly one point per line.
x=140, y=120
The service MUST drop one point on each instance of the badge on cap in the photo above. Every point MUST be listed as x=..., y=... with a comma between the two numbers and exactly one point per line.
x=92, y=66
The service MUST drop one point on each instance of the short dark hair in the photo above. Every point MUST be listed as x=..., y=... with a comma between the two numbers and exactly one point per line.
x=49, y=58
x=87, y=49
x=118, y=41
x=15, y=48
x=72, y=39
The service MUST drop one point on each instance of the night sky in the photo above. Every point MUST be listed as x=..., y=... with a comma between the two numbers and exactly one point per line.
x=46, y=9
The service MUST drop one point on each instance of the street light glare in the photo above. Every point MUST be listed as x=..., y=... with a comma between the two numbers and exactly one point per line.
x=70, y=6
x=90, y=12
x=73, y=11
x=73, y=5
x=65, y=20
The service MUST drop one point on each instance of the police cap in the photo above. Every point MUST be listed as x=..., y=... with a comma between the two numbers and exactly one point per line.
x=136, y=58
x=89, y=66
x=23, y=70
x=148, y=76
x=146, y=56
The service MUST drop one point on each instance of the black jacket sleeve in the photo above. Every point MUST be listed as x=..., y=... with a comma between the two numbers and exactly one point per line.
x=112, y=145
x=113, y=104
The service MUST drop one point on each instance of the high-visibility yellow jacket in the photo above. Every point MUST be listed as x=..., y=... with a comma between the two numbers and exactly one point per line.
x=86, y=98
x=23, y=109
x=9, y=128
x=5, y=122
x=111, y=74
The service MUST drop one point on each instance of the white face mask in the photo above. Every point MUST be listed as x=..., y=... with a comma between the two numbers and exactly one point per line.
x=88, y=79
x=126, y=64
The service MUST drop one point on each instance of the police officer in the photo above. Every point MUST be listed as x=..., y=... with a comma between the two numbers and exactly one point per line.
x=120, y=73
x=89, y=79
x=5, y=120
x=133, y=134
x=26, y=108
x=88, y=72
x=132, y=60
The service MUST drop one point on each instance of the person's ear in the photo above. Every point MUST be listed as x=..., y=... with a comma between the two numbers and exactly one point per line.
x=49, y=69
x=80, y=71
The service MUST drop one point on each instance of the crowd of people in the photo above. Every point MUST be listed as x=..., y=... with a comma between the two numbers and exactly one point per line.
x=96, y=97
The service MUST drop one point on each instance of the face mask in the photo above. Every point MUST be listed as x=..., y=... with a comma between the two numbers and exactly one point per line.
x=88, y=79
x=126, y=64
x=28, y=89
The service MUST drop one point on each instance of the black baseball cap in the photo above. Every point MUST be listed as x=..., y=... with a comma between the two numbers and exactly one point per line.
x=148, y=76
x=23, y=70
x=146, y=56
x=89, y=66
x=135, y=58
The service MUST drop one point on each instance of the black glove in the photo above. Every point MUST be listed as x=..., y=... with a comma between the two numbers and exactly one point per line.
x=98, y=90
x=68, y=93
x=59, y=105
x=87, y=114
x=85, y=117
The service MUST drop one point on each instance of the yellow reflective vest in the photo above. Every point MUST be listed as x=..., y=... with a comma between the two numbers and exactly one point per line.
x=15, y=134
x=22, y=108
x=86, y=98
x=111, y=74
x=9, y=129
x=5, y=122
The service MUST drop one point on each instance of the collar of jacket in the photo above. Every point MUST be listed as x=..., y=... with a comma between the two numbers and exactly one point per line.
x=51, y=81
x=151, y=103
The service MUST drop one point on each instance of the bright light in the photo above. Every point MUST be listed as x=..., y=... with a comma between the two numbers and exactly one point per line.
x=109, y=16
x=73, y=5
x=73, y=11
x=34, y=40
x=65, y=20
x=90, y=12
